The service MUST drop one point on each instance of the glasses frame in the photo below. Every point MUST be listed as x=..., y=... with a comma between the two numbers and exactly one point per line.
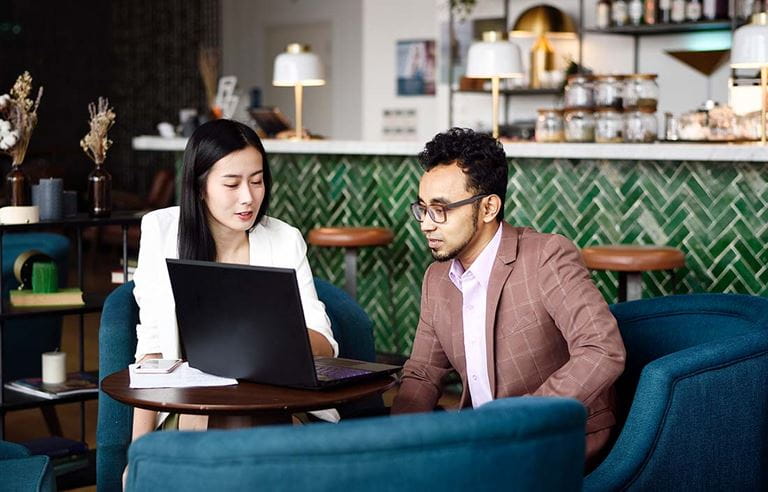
x=428, y=209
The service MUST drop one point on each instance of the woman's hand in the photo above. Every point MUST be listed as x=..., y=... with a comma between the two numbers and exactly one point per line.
x=320, y=345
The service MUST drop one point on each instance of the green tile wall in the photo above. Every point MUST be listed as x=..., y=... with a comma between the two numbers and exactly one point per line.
x=715, y=212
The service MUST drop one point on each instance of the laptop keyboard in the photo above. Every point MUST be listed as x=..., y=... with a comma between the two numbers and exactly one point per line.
x=330, y=373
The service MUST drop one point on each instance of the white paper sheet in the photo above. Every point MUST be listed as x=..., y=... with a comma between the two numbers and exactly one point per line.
x=182, y=377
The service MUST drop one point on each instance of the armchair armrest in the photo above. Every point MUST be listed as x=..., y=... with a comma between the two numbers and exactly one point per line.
x=11, y=450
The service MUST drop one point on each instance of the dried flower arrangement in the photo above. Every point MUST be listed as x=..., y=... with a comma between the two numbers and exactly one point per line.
x=95, y=143
x=208, y=64
x=18, y=117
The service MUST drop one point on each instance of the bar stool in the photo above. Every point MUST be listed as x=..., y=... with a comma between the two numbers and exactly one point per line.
x=630, y=261
x=351, y=239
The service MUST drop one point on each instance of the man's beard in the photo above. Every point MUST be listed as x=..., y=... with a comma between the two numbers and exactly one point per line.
x=441, y=257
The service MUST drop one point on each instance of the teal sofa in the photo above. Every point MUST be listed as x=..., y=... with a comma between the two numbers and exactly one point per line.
x=522, y=444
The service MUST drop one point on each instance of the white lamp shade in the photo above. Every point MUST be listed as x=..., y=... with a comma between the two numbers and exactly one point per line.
x=488, y=59
x=750, y=46
x=298, y=68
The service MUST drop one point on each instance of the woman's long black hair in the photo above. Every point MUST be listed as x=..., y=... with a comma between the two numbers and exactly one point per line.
x=211, y=142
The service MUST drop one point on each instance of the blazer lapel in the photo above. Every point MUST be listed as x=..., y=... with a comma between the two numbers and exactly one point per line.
x=502, y=267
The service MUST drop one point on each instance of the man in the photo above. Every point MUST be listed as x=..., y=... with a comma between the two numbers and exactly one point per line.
x=513, y=311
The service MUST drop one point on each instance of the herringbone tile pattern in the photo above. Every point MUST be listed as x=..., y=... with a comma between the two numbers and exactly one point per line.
x=715, y=212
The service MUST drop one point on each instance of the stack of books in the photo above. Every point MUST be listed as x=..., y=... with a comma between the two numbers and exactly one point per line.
x=77, y=382
x=64, y=297
x=117, y=273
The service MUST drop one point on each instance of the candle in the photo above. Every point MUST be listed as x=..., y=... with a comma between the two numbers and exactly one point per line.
x=44, y=277
x=69, y=201
x=49, y=196
x=54, y=367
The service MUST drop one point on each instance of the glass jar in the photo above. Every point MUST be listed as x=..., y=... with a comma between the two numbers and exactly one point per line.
x=579, y=125
x=578, y=92
x=640, y=125
x=549, y=125
x=641, y=91
x=609, y=91
x=609, y=125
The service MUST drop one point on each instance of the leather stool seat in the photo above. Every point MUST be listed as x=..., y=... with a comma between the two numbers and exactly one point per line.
x=632, y=258
x=350, y=238
x=630, y=261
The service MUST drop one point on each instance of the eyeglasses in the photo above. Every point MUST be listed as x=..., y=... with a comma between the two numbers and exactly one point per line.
x=437, y=212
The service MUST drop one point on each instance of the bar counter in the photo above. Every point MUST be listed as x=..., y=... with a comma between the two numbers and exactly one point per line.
x=707, y=199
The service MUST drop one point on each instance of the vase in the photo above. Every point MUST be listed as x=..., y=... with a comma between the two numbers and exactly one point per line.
x=100, y=192
x=17, y=187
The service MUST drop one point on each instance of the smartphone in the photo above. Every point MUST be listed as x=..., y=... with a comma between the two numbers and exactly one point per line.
x=157, y=366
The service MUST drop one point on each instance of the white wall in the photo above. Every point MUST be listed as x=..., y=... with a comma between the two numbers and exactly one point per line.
x=384, y=23
x=244, y=27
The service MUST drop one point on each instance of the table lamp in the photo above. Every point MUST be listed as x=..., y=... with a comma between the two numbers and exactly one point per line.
x=298, y=67
x=750, y=50
x=494, y=58
x=543, y=21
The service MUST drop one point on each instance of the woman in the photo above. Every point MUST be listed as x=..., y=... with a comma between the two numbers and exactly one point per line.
x=224, y=200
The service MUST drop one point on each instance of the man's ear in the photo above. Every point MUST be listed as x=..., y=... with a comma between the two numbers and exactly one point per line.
x=491, y=207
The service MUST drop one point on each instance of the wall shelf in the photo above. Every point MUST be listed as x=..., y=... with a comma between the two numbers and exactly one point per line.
x=658, y=29
x=515, y=92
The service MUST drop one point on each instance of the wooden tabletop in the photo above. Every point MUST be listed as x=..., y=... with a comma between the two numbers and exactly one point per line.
x=243, y=399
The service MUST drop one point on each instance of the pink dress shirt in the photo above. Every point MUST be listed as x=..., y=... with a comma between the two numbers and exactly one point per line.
x=473, y=284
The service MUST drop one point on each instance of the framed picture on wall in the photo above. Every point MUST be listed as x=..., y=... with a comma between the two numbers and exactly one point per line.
x=416, y=67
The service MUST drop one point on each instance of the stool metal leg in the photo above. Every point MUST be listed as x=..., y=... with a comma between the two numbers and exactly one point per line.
x=630, y=286
x=350, y=271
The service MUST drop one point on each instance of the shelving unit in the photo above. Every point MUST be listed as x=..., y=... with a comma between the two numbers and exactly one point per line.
x=515, y=92
x=13, y=400
x=658, y=29
x=629, y=30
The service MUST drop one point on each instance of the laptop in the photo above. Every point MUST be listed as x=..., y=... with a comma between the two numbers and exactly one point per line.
x=246, y=322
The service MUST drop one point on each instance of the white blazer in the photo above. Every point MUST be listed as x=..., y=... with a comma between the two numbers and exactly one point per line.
x=272, y=243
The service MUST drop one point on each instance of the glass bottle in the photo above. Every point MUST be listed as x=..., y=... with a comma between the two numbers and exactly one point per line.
x=635, y=9
x=578, y=92
x=579, y=125
x=100, y=192
x=641, y=91
x=603, y=20
x=641, y=126
x=693, y=11
x=677, y=13
x=609, y=126
x=609, y=91
x=665, y=11
x=619, y=13
x=744, y=8
x=649, y=16
x=715, y=9
x=17, y=188
x=549, y=125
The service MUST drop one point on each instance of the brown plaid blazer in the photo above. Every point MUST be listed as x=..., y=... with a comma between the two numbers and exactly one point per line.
x=548, y=329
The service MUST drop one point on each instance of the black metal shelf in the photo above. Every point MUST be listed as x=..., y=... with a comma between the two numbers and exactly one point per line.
x=81, y=220
x=516, y=92
x=16, y=400
x=93, y=304
x=658, y=29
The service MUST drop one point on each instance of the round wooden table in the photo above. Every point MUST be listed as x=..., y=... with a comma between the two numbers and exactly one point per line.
x=261, y=403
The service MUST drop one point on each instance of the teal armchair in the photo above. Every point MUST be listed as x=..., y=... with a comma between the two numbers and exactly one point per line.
x=20, y=472
x=693, y=400
x=522, y=444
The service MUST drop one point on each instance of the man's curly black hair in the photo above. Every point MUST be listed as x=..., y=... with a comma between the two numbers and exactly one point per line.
x=479, y=155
